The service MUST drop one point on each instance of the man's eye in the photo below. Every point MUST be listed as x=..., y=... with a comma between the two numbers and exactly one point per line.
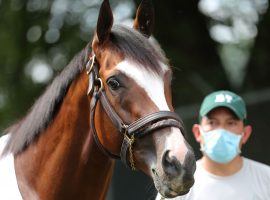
x=113, y=84
x=232, y=122
x=211, y=122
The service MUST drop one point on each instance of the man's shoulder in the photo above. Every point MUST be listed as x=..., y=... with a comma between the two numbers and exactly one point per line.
x=257, y=167
x=256, y=164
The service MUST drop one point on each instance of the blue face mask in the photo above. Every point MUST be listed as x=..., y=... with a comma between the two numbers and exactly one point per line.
x=220, y=145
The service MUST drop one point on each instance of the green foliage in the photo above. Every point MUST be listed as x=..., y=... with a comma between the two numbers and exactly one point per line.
x=40, y=32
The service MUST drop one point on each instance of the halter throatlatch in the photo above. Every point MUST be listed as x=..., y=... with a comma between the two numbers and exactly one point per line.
x=130, y=132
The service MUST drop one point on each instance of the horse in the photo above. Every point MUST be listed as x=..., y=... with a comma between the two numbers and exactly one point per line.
x=112, y=101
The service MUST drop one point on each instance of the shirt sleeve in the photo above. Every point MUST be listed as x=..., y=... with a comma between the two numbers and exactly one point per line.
x=267, y=182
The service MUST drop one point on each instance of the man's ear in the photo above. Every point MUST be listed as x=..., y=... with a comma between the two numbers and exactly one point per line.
x=145, y=18
x=246, y=134
x=197, y=133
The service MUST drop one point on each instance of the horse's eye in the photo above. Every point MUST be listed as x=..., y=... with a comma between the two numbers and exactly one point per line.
x=113, y=84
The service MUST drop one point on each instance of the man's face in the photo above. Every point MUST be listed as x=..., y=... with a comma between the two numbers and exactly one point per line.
x=222, y=118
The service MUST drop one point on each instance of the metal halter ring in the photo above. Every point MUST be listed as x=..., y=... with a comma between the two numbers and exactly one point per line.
x=101, y=84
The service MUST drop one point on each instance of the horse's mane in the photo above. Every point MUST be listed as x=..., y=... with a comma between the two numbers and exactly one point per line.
x=45, y=108
x=131, y=43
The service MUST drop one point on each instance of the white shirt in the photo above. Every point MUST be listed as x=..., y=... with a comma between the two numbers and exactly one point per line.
x=8, y=183
x=251, y=182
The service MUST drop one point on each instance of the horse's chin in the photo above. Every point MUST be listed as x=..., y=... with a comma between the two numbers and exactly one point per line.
x=166, y=189
x=168, y=193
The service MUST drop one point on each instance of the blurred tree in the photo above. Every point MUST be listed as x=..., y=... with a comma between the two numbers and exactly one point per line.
x=37, y=39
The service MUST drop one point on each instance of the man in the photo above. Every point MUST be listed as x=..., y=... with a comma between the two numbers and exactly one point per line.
x=222, y=173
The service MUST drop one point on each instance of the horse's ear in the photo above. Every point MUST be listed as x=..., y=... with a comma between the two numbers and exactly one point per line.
x=145, y=18
x=105, y=22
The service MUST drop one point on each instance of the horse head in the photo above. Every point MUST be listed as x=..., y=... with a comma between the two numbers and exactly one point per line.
x=135, y=79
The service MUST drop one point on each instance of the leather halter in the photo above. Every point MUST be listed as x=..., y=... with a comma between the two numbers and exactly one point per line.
x=130, y=132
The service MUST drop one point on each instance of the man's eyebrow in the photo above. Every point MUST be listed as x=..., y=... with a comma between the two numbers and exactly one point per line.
x=209, y=117
x=233, y=118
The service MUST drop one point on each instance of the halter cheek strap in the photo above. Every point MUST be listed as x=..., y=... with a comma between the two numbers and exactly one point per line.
x=136, y=129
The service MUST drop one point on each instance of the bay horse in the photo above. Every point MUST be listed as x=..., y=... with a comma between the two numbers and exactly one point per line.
x=113, y=100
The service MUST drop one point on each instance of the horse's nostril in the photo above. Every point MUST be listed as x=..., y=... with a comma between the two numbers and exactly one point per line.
x=170, y=164
x=154, y=172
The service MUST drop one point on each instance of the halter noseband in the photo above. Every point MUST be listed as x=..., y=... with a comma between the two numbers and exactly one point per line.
x=136, y=129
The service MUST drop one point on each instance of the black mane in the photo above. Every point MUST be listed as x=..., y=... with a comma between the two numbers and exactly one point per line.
x=45, y=108
x=133, y=45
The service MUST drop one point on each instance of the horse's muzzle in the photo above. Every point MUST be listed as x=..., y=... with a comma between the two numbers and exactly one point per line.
x=175, y=179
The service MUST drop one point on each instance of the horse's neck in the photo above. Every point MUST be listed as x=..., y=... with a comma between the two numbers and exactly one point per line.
x=65, y=162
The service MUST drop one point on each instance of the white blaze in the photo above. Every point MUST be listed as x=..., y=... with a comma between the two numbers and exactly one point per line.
x=151, y=82
x=153, y=85
x=175, y=143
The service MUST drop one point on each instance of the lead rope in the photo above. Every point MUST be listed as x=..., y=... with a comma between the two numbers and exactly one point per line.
x=131, y=141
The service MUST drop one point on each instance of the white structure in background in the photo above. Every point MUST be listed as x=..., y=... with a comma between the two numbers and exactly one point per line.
x=80, y=12
x=233, y=26
x=39, y=71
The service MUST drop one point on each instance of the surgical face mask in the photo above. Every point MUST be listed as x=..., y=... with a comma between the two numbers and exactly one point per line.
x=220, y=145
